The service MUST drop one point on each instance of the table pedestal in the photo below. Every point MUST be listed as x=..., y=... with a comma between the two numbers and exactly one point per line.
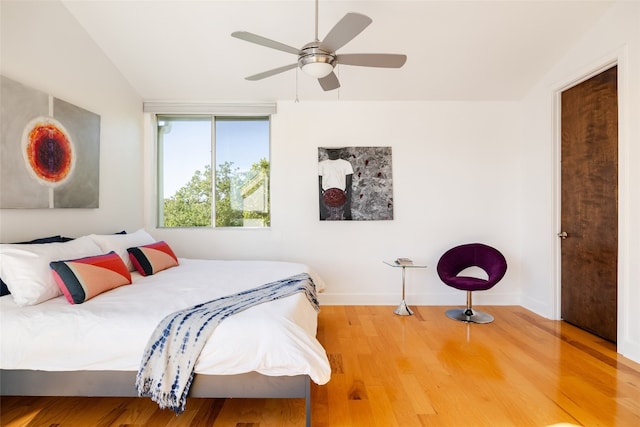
x=403, y=309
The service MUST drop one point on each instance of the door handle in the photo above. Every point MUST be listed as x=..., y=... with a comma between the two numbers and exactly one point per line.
x=563, y=235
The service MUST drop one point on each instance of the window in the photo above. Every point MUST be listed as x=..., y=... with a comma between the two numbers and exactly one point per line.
x=193, y=194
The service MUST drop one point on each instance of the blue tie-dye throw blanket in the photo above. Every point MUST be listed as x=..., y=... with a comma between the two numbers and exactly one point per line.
x=167, y=367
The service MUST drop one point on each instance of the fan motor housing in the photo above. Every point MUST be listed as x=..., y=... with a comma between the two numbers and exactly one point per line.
x=313, y=53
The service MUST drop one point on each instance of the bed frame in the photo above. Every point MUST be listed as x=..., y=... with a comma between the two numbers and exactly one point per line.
x=122, y=384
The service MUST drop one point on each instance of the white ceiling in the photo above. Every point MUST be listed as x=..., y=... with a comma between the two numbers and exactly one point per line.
x=457, y=50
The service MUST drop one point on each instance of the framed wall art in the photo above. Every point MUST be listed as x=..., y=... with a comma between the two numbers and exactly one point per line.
x=355, y=183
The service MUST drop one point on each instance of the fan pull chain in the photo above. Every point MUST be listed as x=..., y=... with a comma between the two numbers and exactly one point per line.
x=297, y=101
x=337, y=71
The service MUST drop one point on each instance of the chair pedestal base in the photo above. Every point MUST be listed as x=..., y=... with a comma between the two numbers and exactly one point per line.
x=469, y=315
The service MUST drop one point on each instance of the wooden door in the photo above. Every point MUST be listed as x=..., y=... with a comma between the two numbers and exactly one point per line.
x=589, y=216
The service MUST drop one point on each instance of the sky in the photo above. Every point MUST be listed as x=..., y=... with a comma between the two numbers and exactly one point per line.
x=187, y=148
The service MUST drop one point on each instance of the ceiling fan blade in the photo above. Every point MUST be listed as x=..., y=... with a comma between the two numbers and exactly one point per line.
x=383, y=60
x=345, y=30
x=330, y=82
x=263, y=41
x=273, y=72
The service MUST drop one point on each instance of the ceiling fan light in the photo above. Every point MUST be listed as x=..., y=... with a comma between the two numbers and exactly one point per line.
x=317, y=70
x=316, y=61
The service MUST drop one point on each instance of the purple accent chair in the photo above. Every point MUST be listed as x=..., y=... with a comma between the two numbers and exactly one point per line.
x=457, y=259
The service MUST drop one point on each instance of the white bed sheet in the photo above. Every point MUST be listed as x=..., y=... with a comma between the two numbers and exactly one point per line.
x=110, y=331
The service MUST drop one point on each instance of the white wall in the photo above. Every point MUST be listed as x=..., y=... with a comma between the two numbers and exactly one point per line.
x=465, y=171
x=42, y=46
x=615, y=38
x=454, y=182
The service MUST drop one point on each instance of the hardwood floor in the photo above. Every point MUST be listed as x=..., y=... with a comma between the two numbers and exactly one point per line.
x=424, y=370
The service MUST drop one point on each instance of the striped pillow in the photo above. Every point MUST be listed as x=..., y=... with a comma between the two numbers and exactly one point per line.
x=152, y=258
x=84, y=278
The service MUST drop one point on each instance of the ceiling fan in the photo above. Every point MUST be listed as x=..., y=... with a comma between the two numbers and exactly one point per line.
x=319, y=58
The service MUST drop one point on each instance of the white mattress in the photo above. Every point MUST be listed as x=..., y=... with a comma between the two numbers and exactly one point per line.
x=110, y=331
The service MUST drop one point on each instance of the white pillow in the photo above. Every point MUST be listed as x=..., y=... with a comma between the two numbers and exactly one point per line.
x=119, y=243
x=25, y=268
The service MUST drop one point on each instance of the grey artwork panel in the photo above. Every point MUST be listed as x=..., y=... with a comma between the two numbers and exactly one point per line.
x=20, y=187
x=20, y=104
x=370, y=196
x=84, y=129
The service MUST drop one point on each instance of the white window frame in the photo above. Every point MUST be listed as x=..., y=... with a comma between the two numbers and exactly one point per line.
x=153, y=109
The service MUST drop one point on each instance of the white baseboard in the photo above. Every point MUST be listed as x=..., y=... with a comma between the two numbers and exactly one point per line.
x=630, y=350
x=444, y=299
x=539, y=307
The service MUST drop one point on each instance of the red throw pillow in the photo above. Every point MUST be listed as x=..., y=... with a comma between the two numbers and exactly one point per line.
x=84, y=278
x=152, y=258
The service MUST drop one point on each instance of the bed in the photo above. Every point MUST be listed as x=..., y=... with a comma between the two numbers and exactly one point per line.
x=94, y=348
